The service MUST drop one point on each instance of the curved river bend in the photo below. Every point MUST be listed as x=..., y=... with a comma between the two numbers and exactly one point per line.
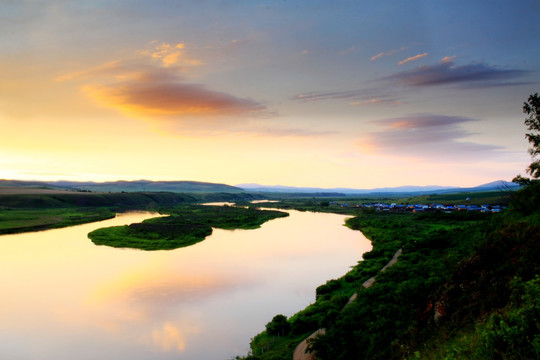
x=63, y=298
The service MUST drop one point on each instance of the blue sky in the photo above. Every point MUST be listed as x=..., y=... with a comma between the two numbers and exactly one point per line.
x=307, y=93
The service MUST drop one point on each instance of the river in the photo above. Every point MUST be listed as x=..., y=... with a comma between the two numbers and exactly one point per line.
x=64, y=298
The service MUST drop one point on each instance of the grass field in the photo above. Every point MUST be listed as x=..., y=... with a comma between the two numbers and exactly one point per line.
x=23, y=220
x=19, y=190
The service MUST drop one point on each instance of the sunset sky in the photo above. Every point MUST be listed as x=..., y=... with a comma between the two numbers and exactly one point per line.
x=357, y=94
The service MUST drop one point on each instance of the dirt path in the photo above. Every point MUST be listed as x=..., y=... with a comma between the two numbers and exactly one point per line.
x=300, y=351
x=393, y=260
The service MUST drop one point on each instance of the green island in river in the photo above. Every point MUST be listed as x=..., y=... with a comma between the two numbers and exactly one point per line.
x=186, y=225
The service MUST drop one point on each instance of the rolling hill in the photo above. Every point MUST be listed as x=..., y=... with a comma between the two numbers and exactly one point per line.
x=127, y=186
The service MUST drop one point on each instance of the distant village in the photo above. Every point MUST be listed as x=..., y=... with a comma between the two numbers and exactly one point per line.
x=423, y=207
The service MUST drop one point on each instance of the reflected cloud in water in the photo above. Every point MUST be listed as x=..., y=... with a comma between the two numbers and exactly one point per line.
x=66, y=294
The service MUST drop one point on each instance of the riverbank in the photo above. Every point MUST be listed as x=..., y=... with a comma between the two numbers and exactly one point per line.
x=430, y=245
x=462, y=288
x=301, y=351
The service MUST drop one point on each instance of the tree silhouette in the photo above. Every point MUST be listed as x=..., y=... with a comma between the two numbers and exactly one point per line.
x=532, y=108
x=278, y=326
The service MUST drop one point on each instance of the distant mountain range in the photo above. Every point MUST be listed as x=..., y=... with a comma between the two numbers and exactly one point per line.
x=205, y=187
x=430, y=189
x=127, y=186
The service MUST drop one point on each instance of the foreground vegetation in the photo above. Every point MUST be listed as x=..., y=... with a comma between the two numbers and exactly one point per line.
x=186, y=225
x=467, y=286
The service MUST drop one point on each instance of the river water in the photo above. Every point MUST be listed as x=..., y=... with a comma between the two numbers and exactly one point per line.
x=63, y=298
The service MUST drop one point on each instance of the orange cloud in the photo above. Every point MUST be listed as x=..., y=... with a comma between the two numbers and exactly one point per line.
x=412, y=58
x=169, y=54
x=143, y=90
x=387, y=53
x=152, y=85
x=169, y=338
x=162, y=98
x=447, y=59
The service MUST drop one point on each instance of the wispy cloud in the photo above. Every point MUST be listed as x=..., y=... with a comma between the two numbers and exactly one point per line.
x=412, y=58
x=432, y=137
x=393, y=89
x=289, y=132
x=446, y=72
x=369, y=96
x=387, y=53
x=348, y=51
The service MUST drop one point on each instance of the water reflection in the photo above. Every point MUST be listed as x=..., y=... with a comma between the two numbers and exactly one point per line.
x=65, y=298
x=220, y=203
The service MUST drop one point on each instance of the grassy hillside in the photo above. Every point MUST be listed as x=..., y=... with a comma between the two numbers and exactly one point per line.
x=155, y=186
x=121, y=200
x=141, y=200
x=467, y=286
x=469, y=198
x=127, y=186
x=40, y=211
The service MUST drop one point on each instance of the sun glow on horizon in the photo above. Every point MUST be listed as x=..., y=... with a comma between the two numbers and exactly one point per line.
x=238, y=100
